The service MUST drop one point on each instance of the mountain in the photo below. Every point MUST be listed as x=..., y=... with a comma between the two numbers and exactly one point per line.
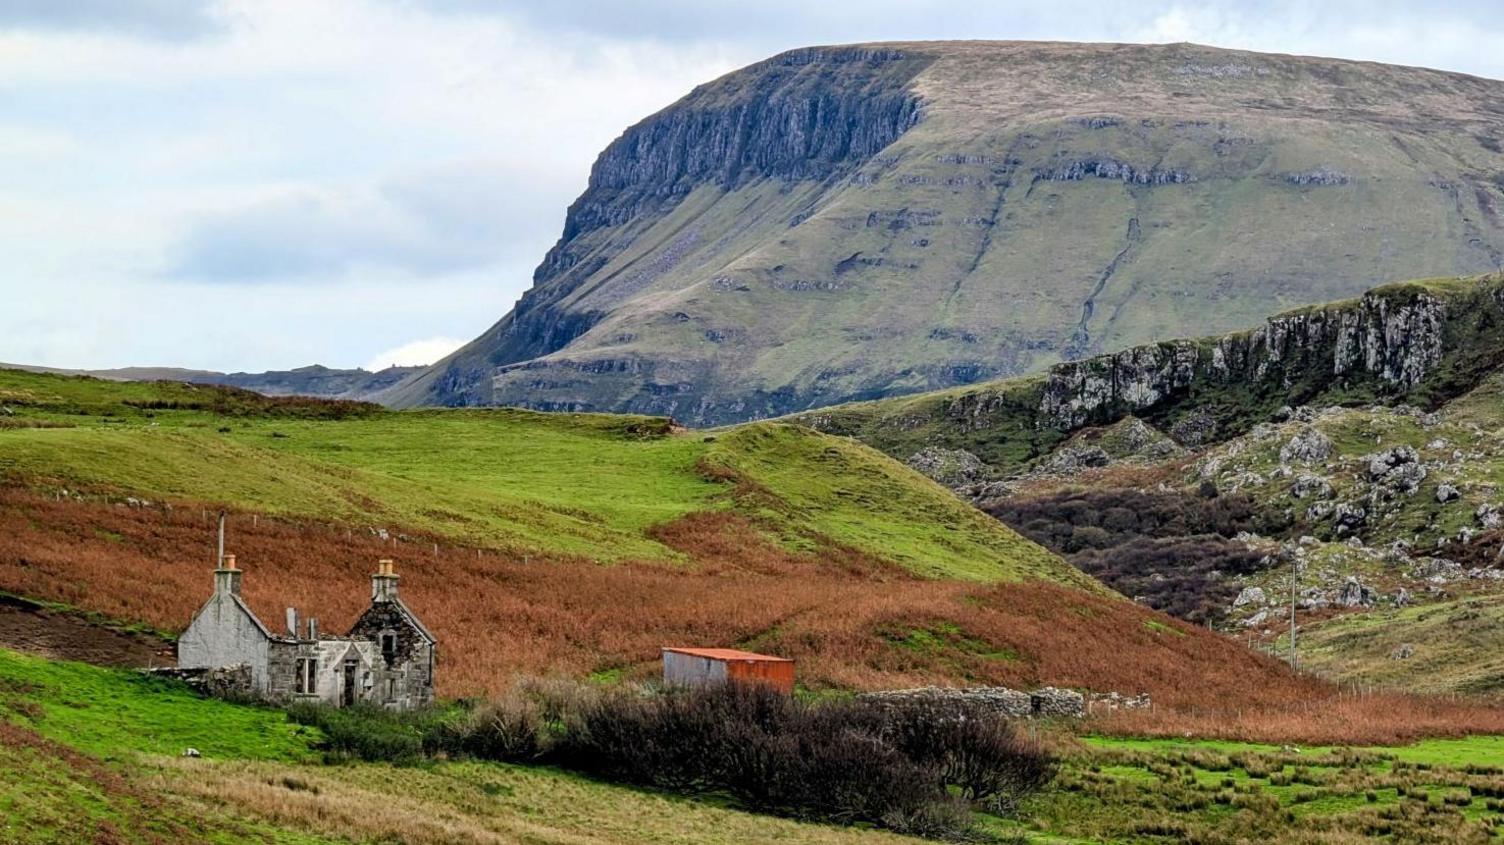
x=842, y=223
x=316, y=380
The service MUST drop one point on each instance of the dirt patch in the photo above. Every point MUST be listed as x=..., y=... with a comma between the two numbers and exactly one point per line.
x=67, y=636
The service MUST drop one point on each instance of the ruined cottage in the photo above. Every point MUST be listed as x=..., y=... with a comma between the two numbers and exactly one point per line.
x=386, y=659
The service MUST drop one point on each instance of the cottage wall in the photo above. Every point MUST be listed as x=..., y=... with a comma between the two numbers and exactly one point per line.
x=403, y=676
x=223, y=634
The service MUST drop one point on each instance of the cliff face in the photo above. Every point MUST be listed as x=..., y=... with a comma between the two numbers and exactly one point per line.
x=807, y=115
x=1420, y=343
x=1392, y=339
x=846, y=223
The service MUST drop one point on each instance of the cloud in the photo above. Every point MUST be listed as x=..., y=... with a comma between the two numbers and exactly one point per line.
x=443, y=219
x=170, y=20
x=418, y=353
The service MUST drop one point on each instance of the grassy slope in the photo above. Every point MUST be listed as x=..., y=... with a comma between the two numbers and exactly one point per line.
x=1455, y=646
x=576, y=485
x=247, y=789
x=87, y=750
x=1455, y=630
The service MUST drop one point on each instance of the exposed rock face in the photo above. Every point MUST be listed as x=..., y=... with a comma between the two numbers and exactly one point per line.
x=1396, y=471
x=848, y=223
x=1356, y=594
x=951, y=467
x=1250, y=595
x=1396, y=341
x=1308, y=447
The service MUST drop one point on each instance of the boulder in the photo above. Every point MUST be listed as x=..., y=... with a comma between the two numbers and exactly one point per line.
x=1489, y=516
x=951, y=467
x=1349, y=518
x=1250, y=595
x=1447, y=493
x=1355, y=594
x=1309, y=446
x=1311, y=485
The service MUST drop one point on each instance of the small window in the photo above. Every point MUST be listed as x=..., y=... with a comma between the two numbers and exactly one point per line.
x=307, y=679
x=391, y=689
x=389, y=648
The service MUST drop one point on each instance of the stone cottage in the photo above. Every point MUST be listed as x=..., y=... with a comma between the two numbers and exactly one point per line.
x=386, y=659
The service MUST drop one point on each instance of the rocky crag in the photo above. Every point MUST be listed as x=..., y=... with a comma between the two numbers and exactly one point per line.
x=1417, y=342
x=844, y=223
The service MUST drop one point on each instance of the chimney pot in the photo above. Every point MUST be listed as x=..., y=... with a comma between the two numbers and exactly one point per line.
x=384, y=582
x=227, y=577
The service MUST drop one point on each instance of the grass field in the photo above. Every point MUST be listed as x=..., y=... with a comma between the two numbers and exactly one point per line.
x=1118, y=790
x=585, y=486
x=93, y=754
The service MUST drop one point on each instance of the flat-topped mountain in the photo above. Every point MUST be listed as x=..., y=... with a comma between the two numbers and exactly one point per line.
x=852, y=222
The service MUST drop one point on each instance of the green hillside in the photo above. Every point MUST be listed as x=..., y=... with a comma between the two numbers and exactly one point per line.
x=94, y=755
x=1356, y=442
x=586, y=486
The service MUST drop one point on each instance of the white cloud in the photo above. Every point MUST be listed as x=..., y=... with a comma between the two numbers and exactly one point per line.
x=415, y=354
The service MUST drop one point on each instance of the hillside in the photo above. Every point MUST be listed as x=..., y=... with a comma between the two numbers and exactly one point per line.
x=81, y=772
x=574, y=544
x=843, y=223
x=1357, y=445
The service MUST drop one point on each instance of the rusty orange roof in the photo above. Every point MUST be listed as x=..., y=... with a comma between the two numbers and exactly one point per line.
x=727, y=654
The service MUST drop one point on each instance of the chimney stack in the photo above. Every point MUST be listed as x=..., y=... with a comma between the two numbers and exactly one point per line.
x=227, y=577
x=384, y=582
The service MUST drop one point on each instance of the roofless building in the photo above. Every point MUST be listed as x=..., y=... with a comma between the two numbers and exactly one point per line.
x=387, y=658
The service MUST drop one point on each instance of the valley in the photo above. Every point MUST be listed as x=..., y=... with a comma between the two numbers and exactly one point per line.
x=903, y=441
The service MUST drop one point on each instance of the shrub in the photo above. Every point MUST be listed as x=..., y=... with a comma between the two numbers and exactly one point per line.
x=912, y=769
x=509, y=730
x=980, y=754
x=364, y=732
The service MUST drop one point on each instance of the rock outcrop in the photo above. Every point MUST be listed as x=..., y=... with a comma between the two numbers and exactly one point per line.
x=1395, y=340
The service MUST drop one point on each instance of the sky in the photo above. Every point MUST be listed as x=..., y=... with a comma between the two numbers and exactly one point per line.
x=264, y=184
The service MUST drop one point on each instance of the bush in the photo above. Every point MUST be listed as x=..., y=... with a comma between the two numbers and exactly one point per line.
x=364, y=732
x=911, y=769
x=976, y=752
x=914, y=768
x=509, y=730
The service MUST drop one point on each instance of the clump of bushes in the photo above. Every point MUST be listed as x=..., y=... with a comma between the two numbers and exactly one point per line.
x=1171, y=550
x=917, y=768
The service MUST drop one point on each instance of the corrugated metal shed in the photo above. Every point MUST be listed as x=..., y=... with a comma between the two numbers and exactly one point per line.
x=693, y=666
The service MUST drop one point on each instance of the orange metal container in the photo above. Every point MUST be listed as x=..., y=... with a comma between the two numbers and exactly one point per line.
x=690, y=666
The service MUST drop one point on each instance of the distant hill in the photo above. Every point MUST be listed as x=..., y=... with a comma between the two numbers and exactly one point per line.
x=843, y=223
x=356, y=384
